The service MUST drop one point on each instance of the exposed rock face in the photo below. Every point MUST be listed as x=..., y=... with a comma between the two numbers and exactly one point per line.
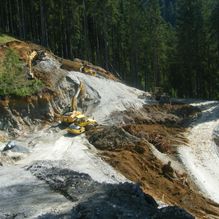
x=16, y=113
x=19, y=112
x=61, y=86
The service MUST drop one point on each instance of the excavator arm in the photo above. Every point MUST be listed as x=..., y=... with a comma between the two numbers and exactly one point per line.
x=74, y=102
x=30, y=59
x=71, y=116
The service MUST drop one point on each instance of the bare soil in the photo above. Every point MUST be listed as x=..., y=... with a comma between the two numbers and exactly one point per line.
x=128, y=149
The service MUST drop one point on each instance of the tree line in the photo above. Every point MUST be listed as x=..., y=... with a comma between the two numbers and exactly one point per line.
x=172, y=44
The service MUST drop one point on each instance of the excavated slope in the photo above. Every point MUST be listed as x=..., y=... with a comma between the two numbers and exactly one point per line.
x=52, y=174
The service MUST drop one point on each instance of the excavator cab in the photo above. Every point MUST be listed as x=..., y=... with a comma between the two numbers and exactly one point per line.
x=88, y=70
x=158, y=91
x=69, y=117
x=75, y=130
x=83, y=121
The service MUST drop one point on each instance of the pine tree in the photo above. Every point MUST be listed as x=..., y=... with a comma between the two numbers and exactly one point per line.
x=156, y=49
x=189, y=69
x=215, y=23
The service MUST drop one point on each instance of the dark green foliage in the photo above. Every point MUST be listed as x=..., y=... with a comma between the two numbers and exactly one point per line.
x=169, y=43
x=12, y=77
x=190, y=48
x=168, y=11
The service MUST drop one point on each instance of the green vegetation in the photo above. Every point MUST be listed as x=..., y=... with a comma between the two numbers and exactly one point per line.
x=5, y=38
x=13, y=80
x=150, y=43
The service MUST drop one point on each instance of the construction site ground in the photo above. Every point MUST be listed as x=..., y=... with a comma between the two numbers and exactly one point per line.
x=130, y=148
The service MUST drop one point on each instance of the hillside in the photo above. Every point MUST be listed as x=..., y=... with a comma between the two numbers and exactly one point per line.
x=113, y=170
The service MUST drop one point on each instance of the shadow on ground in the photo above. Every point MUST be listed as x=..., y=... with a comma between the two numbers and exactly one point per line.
x=101, y=200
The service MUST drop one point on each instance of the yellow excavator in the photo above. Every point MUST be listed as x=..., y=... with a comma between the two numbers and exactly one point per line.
x=71, y=116
x=83, y=121
x=79, y=122
x=88, y=70
x=30, y=58
x=75, y=129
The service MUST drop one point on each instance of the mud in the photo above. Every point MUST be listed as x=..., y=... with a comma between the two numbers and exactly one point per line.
x=164, y=126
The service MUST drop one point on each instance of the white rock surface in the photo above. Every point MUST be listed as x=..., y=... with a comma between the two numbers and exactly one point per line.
x=201, y=156
x=110, y=96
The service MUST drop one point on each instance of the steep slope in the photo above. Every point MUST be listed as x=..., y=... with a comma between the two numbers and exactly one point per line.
x=66, y=172
x=102, y=96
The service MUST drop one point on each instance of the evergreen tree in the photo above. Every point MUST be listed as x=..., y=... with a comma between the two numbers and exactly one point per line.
x=156, y=34
x=215, y=23
x=148, y=42
x=189, y=68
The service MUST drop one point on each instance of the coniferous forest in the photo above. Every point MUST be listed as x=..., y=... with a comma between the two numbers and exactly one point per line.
x=172, y=44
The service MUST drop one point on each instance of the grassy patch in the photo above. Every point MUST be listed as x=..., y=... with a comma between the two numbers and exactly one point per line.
x=5, y=38
x=13, y=79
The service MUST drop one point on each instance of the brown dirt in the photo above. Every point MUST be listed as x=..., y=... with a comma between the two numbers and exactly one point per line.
x=163, y=138
x=128, y=150
x=24, y=49
x=76, y=64
x=173, y=115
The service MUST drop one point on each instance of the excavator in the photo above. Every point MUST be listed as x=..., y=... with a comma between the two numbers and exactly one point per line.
x=161, y=96
x=88, y=70
x=79, y=123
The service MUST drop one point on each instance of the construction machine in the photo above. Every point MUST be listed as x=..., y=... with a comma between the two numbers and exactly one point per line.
x=75, y=130
x=30, y=59
x=83, y=121
x=158, y=91
x=88, y=70
x=161, y=96
x=79, y=122
x=71, y=116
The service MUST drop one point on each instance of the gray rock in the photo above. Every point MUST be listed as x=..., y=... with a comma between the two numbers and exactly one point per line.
x=172, y=212
x=15, y=147
x=101, y=200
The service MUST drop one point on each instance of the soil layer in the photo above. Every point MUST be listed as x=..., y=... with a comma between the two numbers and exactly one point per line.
x=128, y=149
